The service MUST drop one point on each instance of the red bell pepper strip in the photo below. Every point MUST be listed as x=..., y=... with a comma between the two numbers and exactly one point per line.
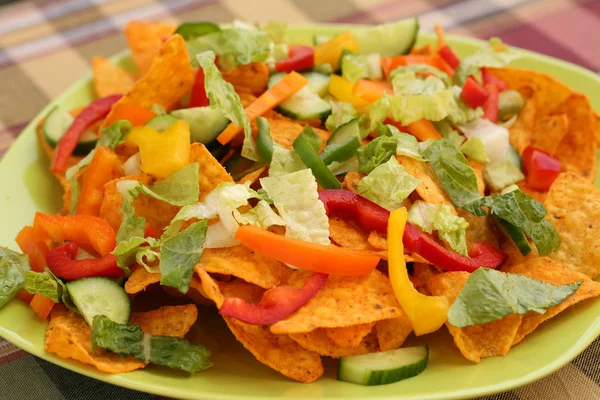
x=449, y=56
x=490, y=107
x=92, y=233
x=371, y=216
x=62, y=263
x=42, y=305
x=540, y=168
x=199, y=97
x=489, y=79
x=473, y=94
x=276, y=303
x=93, y=113
x=300, y=57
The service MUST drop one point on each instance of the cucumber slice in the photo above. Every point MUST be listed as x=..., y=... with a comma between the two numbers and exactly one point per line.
x=318, y=83
x=515, y=235
x=306, y=103
x=389, y=39
x=348, y=130
x=161, y=122
x=383, y=367
x=100, y=296
x=205, y=123
x=192, y=30
x=56, y=124
x=514, y=157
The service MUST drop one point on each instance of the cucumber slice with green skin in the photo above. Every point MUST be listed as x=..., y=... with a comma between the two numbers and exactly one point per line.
x=317, y=82
x=161, y=122
x=306, y=103
x=320, y=39
x=264, y=141
x=389, y=39
x=383, y=367
x=515, y=235
x=56, y=124
x=100, y=296
x=205, y=123
x=192, y=30
x=514, y=156
x=343, y=143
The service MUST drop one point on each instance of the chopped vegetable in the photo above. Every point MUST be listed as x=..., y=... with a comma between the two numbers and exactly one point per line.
x=541, y=169
x=42, y=305
x=34, y=243
x=98, y=173
x=13, y=270
x=490, y=107
x=199, y=97
x=311, y=159
x=448, y=55
x=330, y=51
x=371, y=91
x=62, y=263
x=473, y=94
x=423, y=130
x=300, y=57
x=342, y=90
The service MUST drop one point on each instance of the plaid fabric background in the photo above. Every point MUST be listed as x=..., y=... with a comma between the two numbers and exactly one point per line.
x=46, y=45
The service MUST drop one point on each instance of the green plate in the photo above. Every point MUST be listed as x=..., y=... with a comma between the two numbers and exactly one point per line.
x=27, y=186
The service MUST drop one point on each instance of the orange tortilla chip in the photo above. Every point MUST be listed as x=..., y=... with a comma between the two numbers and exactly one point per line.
x=479, y=228
x=69, y=336
x=140, y=279
x=210, y=288
x=349, y=336
x=478, y=169
x=521, y=133
x=478, y=341
x=597, y=127
x=285, y=131
x=109, y=79
x=577, y=150
x=244, y=263
x=537, y=195
x=573, y=207
x=423, y=273
x=167, y=321
x=348, y=234
x=212, y=174
x=342, y=301
x=547, y=270
x=319, y=342
x=430, y=189
x=170, y=77
x=549, y=131
x=378, y=241
x=392, y=333
x=145, y=39
x=351, y=181
x=197, y=294
x=253, y=177
x=251, y=78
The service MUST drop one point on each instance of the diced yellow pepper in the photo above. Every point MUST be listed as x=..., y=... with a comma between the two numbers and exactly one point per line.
x=426, y=313
x=330, y=52
x=162, y=153
x=341, y=89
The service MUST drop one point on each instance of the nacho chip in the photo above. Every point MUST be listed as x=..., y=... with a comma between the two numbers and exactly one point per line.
x=537, y=195
x=210, y=288
x=378, y=241
x=212, y=174
x=285, y=131
x=319, y=342
x=597, y=127
x=170, y=77
x=479, y=228
x=430, y=189
x=197, y=294
x=547, y=270
x=167, y=321
x=109, y=79
x=244, y=263
x=69, y=336
x=140, y=279
x=351, y=181
x=478, y=169
x=253, y=177
x=573, y=207
x=422, y=274
x=349, y=336
x=577, y=150
x=392, y=333
x=549, y=131
x=521, y=133
x=145, y=39
x=342, y=301
x=346, y=233
x=251, y=78
x=478, y=341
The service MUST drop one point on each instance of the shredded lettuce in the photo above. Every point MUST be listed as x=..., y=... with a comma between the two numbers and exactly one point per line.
x=459, y=112
x=296, y=198
x=13, y=270
x=447, y=132
x=284, y=161
x=388, y=185
x=43, y=283
x=431, y=106
x=223, y=97
x=339, y=168
x=438, y=217
x=378, y=112
x=424, y=68
x=275, y=30
x=355, y=67
x=495, y=54
x=475, y=150
x=407, y=83
x=341, y=112
x=375, y=153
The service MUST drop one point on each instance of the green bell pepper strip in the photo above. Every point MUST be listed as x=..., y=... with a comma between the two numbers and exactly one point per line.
x=264, y=141
x=311, y=159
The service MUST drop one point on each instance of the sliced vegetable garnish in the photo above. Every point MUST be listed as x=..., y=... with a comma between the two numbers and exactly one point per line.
x=541, y=169
x=264, y=141
x=100, y=296
x=192, y=30
x=300, y=57
x=496, y=54
x=311, y=159
x=61, y=261
x=13, y=270
x=276, y=303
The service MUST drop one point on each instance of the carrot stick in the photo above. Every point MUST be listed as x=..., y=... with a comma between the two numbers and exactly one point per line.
x=423, y=130
x=42, y=305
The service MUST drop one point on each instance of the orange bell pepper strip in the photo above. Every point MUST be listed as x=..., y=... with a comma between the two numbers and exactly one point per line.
x=306, y=255
x=426, y=313
x=330, y=52
x=131, y=112
x=423, y=130
x=34, y=243
x=42, y=305
x=280, y=92
x=85, y=230
x=441, y=41
x=98, y=173
x=371, y=91
x=341, y=89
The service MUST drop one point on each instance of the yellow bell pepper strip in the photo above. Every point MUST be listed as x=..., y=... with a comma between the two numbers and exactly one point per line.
x=341, y=89
x=162, y=153
x=371, y=91
x=280, y=92
x=426, y=313
x=329, y=52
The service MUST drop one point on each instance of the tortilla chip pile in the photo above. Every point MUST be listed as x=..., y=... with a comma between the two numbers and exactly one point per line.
x=349, y=315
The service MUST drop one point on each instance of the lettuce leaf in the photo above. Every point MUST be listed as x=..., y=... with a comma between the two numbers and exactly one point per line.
x=502, y=174
x=275, y=30
x=341, y=112
x=415, y=68
x=475, y=150
x=13, y=269
x=438, y=217
x=378, y=112
x=495, y=54
x=491, y=295
x=375, y=153
x=446, y=131
x=355, y=67
x=340, y=168
x=296, y=198
x=431, y=106
x=223, y=97
x=43, y=283
x=284, y=161
x=130, y=340
x=388, y=185
x=407, y=83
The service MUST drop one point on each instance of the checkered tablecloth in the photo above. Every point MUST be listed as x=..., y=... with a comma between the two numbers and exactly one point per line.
x=46, y=45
